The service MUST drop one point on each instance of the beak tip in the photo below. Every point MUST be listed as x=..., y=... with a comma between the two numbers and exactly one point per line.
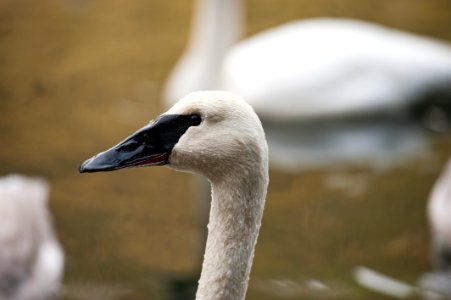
x=97, y=164
x=81, y=169
x=84, y=167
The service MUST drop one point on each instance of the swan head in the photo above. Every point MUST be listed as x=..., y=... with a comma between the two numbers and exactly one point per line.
x=207, y=132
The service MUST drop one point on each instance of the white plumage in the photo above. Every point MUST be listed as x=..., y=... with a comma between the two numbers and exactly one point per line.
x=307, y=78
x=439, y=215
x=229, y=148
x=307, y=69
x=31, y=260
x=217, y=135
x=437, y=284
x=333, y=67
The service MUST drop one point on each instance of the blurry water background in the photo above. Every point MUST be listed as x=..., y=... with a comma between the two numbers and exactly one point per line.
x=76, y=76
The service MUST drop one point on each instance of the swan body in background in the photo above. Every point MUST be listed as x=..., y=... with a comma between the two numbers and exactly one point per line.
x=322, y=68
x=304, y=76
x=31, y=260
x=218, y=135
x=438, y=212
x=439, y=215
x=313, y=68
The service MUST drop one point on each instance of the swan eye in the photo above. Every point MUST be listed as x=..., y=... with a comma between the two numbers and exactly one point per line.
x=195, y=119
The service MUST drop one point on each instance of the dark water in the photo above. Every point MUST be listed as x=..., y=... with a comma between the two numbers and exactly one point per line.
x=76, y=76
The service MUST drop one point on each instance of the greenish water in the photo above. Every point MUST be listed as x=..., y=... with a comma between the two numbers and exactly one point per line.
x=78, y=76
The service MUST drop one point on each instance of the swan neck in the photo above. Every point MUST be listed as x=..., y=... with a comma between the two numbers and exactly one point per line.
x=216, y=26
x=235, y=218
x=217, y=22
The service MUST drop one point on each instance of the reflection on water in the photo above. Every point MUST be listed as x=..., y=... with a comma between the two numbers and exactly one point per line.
x=78, y=75
x=92, y=290
x=436, y=285
x=375, y=143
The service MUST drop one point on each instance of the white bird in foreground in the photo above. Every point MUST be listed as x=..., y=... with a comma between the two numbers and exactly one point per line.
x=31, y=260
x=218, y=135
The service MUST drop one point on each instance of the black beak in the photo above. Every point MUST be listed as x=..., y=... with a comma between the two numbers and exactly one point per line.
x=149, y=146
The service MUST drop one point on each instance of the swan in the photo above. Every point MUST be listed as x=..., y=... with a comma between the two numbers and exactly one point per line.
x=31, y=260
x=218, y=135
x=322, y=68
x=216, y=26
x=308, y=69
x=438, y=213
x=330, y=92
x=439, y=216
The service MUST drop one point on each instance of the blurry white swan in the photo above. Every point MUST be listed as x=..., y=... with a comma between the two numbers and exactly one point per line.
x=31, y=260
x=316, y=70
x=330, y=67
x=306, y=69
x=439, y=215
x=218, y=135
x=434, y=285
